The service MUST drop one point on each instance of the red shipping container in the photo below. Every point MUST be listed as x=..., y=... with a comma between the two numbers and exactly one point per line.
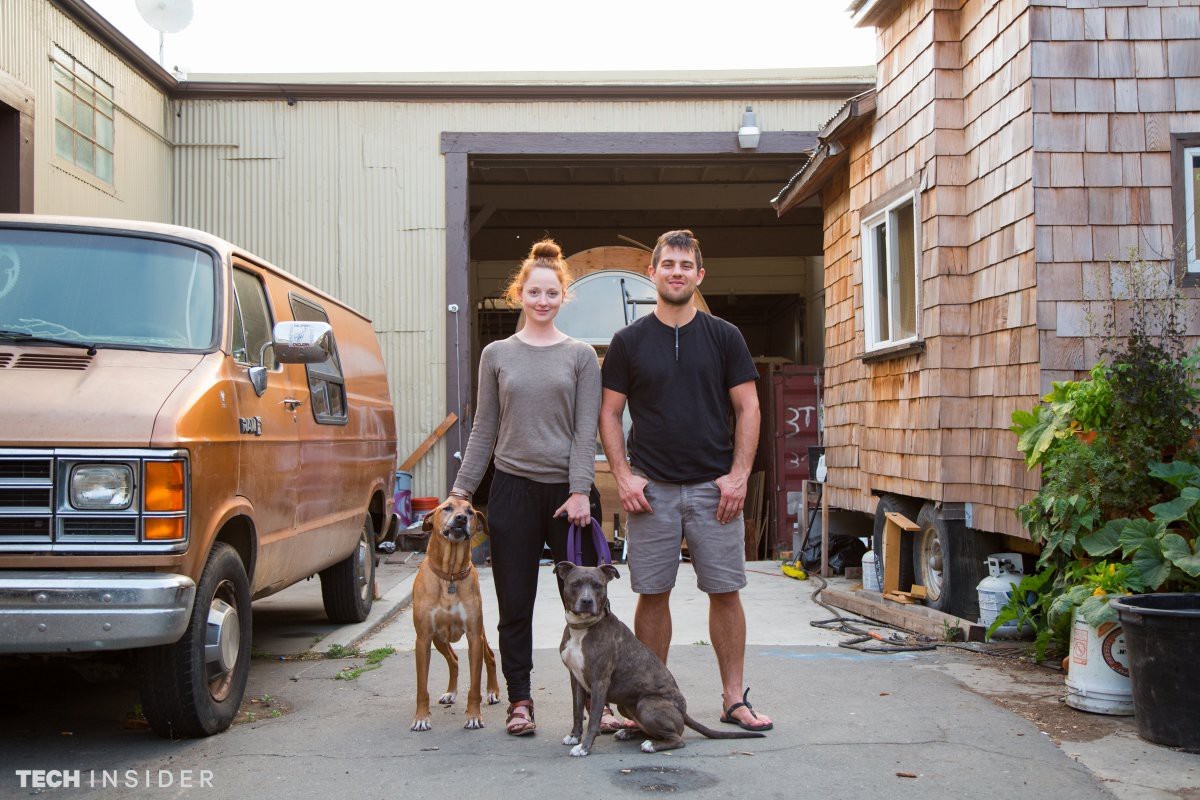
x=795, y=427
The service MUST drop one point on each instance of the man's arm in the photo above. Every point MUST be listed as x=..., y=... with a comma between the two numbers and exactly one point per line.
x=612, y=436
x=744, y=399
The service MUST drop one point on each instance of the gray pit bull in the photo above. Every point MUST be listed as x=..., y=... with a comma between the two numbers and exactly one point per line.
x=606, y=660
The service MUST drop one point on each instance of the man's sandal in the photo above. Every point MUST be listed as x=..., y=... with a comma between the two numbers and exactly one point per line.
x=729, y=719
x=520, y=719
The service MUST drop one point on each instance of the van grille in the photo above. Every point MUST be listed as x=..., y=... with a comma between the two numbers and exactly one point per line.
x=5, y=358
x=25, y=499
x=51, y=361
x=124, y=529
x=36, y=515
x=25, y=468
x=24, y=530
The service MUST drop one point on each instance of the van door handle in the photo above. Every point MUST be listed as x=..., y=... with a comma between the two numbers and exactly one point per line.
x=292, y=403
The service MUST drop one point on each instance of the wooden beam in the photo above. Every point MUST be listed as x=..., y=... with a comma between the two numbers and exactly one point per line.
x=915, y=618
x=506, y=244
x=458, y=294
x=895, y=526
x=624, y=196
x=429, y=442
x=587, y=143
x=480, y=219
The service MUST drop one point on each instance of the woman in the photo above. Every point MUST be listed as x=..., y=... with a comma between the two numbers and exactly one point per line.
x=539, y=401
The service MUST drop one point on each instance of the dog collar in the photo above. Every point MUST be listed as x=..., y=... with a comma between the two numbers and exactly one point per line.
x=446, y=576
x=579, y=626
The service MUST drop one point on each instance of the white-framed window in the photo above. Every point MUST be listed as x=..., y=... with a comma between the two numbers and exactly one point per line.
x=1191, y=191
x=83, y=116
x=890, y=274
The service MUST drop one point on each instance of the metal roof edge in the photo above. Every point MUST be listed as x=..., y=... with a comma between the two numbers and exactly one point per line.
x=500, y=92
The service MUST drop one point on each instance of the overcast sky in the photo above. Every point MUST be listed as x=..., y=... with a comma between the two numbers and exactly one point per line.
x=472, y=35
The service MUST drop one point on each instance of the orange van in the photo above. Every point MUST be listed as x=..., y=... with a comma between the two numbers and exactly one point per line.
x=184, y=428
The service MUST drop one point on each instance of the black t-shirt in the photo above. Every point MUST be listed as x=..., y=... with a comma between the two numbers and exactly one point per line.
x=678, y=394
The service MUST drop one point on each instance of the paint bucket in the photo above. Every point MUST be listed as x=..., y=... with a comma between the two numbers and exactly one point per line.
x=1164, y=646
x=421, y=506
x=1098, y=680
x=870, y=577
x=403, y=498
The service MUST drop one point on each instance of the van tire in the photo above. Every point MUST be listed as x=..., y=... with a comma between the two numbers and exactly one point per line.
x=183, y=696
x=903, y=505
x=348, y=587
x=948, y=560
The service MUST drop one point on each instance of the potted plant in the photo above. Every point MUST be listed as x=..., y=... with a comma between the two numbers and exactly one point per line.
x=1116, y=515
x=1162, y=629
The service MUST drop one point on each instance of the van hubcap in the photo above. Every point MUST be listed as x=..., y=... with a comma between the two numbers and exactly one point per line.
x=222, y=641
x=361, y=568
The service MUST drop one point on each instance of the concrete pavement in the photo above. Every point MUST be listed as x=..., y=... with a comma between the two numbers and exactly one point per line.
x=848, y=725
x=293, y=621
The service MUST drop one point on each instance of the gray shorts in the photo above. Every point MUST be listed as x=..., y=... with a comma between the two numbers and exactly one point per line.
x=685, y=511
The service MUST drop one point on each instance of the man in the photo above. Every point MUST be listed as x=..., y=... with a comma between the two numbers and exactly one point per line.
x=682, y=372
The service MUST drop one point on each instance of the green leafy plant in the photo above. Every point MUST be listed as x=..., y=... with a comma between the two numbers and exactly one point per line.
x=1118, y=510
x=1028, y=606
x=1091, y=589
x=1163, y=551
x=1070, y=406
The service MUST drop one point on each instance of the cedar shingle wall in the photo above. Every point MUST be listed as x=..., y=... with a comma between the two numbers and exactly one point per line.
x=954, y=105
x=1104, y=106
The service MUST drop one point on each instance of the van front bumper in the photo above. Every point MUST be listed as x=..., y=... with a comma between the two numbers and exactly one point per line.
x=71, y=612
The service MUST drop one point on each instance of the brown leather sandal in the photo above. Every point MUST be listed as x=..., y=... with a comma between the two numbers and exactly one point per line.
x=610, y=722
x=520, y=719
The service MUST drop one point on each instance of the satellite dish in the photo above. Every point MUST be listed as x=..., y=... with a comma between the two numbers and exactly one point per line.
x=165, y=16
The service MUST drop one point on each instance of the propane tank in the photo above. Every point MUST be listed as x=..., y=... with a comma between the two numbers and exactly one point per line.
x=1004, y=573
x=870, y=577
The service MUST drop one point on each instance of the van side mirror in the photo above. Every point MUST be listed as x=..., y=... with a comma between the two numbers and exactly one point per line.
x=294, y=343
x=302, y=342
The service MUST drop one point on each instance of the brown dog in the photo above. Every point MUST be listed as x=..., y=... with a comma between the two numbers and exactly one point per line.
x=446, y=604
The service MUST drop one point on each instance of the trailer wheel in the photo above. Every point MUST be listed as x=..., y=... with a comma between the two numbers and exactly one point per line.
x=903, y=505
x=948, y=560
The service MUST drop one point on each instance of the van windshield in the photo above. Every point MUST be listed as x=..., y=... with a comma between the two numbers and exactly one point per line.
x=102, y=289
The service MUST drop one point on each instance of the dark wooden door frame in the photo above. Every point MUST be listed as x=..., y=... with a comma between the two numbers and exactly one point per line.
x=458, y=148
x=19, y=97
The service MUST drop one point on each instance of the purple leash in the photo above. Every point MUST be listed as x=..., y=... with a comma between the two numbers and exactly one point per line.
x=575, y=544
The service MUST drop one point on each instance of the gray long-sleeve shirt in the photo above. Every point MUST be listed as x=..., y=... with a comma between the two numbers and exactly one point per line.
x=538, y=408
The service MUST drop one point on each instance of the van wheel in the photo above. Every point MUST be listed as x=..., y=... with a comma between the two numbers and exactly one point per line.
x=194, y=687
x=348, y=587
x=889, y=503
x=948, y=560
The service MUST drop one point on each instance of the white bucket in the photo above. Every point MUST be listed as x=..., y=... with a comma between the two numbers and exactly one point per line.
x=1098, y=678
x=870, y=579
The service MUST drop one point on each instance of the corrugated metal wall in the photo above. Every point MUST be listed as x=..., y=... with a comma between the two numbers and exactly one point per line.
x=142, y=170
x=351, y=196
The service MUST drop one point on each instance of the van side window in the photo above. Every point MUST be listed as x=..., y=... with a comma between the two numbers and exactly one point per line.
x=326, y=384
x=251, y=320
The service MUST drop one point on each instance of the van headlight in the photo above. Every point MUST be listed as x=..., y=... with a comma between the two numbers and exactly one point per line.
x=101, y=487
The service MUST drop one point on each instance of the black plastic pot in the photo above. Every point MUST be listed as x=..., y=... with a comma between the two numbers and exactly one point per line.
x=1162, y=633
